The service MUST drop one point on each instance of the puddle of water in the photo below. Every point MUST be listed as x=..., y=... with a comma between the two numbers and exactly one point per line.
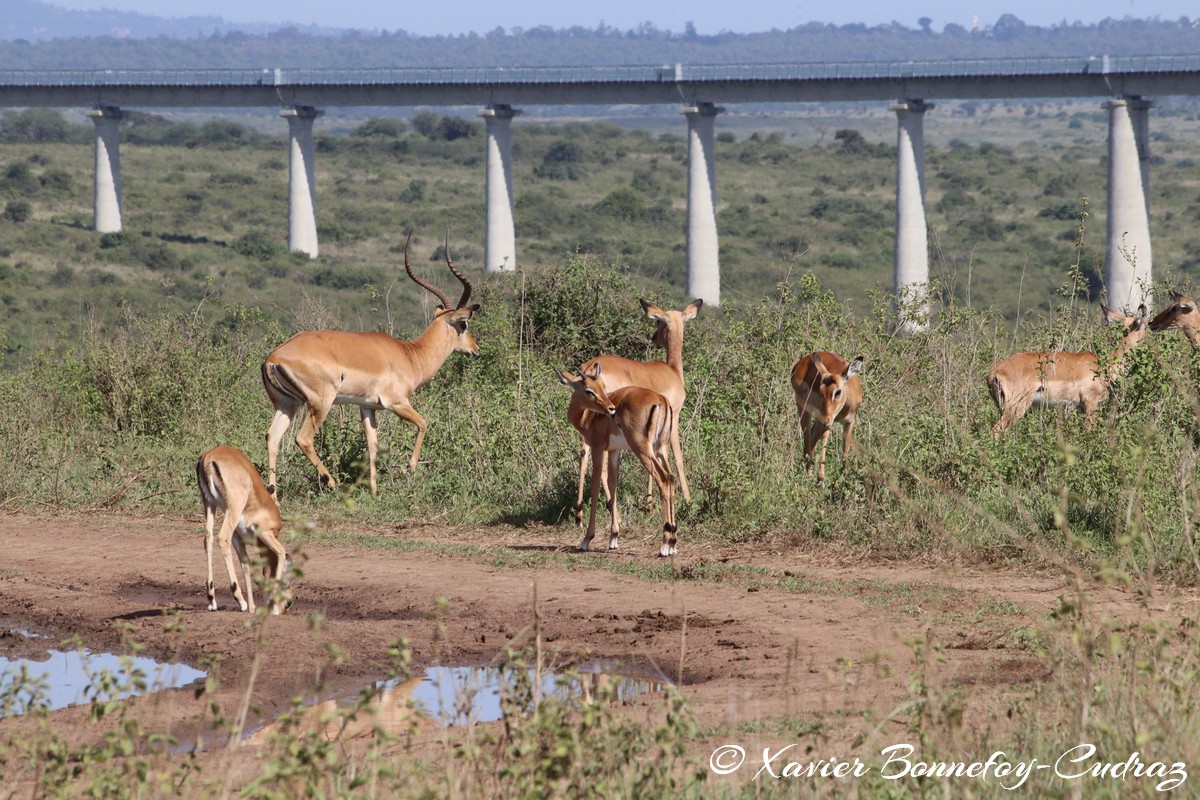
x=448, y=696
x=63, y=678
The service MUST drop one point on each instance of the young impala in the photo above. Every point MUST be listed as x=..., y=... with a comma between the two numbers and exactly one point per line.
x=230, y=483
x=317, y=369
x=828, y=391
x=631, y=418
x=1180, y=314
x=1051, y=378
x=666, y=378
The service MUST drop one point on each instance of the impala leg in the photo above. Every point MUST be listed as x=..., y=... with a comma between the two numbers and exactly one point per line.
x=278, y=560
x=239, y=545
x=614, y=480
x=405, y=411
x=677, y=452
x=598, y=470
x=847, y=436
x=1013, y=410
x=809, y=428
x=209, y=520
x=308, y=433
x=279, y=425
x=821, y=459
x=371, y=434
x=234, y=506
x=660, y=473
x=584, y=453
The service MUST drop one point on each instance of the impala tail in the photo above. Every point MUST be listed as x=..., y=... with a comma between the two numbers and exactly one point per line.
x=996, y=386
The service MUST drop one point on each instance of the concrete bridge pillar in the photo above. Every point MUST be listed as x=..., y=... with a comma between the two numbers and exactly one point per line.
x=911, y=277
x=1127, y=259
x=500, y=239
x=302, y=184
x=703, y=261
x=106, y=201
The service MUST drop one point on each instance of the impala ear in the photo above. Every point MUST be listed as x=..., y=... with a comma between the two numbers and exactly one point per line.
x=565, y=379
x=652, y=311
x=854, y=367
x=1142, y=312
x=692, y=309
x=593, y=373
x=816, y=359
x=1112, y=316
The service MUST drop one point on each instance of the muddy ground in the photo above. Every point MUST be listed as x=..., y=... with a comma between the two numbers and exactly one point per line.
x=829, y=638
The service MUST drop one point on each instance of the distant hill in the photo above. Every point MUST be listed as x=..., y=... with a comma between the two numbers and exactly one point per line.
x=43, y=36
x=35, y=21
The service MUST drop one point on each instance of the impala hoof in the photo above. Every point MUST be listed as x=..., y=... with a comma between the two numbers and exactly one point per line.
x=666, y=551
x=613, y=544
x=583, y=546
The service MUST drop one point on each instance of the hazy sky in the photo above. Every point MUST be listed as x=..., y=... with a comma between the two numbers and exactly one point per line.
x=462, y=16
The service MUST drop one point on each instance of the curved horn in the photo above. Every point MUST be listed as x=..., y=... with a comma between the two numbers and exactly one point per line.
x=436, y=292
x=466, y=295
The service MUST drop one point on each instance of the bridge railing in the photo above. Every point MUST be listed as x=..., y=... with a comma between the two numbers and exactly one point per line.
x=668, y=73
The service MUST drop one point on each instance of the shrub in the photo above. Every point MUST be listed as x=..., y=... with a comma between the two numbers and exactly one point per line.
x=258, y=245
x=18, y=210
x=563, y=161
x=381, y=128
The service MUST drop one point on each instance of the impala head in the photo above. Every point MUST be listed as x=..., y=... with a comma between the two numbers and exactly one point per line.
x=588, y=385
x=1135, y=327
x=669, y=320
x=454, y=316
x=1181, y=313
x=831, y=387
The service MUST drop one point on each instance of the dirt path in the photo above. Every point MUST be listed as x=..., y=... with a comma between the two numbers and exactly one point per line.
x=840, y=637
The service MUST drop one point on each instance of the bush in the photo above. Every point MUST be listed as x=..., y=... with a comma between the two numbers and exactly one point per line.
x=258, y=246
x=18, y=210
x=563, y=161
x=381, y=128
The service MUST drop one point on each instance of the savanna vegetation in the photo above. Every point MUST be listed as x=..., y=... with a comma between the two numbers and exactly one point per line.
x=128, y=354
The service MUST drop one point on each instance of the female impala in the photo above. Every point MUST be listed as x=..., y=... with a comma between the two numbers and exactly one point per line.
x=1051, y=378
x=632, y=418
x=374, y=371
x=828, y=391
x=230, y=483
x=1180, y=314
x=665, y=378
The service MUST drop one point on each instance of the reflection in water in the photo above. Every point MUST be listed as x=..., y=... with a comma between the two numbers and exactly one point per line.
x=447, y=696
x=59, y=679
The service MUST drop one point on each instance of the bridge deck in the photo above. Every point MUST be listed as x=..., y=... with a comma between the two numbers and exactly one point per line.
x=1097, y=76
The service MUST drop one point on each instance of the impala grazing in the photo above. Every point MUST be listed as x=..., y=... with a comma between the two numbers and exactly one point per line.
x=665, y=378
x=631, y=418
x=828, y=391
x=374, y=371
x=1051, y=378
x=230, y=483
x=1180, y=314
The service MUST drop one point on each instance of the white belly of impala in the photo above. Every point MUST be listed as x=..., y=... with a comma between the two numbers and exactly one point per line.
x=1041, y=400
x=617, y=441
x=355, y=400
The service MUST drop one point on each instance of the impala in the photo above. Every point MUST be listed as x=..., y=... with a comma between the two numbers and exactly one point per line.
x=631, y=418
x=1051, y=378
x=230, y=483
x=1180, y=314
x=665, y=378
x=374, y=371
x=828, y=391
